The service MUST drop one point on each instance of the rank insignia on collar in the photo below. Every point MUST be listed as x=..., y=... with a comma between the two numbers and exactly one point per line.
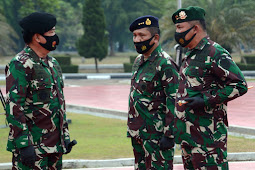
x=148, y=21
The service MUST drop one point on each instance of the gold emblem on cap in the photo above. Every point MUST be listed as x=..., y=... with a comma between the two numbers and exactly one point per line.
x=148, y=21
x=144, y=48
x=182, y=15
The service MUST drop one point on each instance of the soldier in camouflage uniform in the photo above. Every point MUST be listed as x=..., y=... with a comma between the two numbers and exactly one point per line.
x=35, y=108
x=152, y=96
x=209, y=78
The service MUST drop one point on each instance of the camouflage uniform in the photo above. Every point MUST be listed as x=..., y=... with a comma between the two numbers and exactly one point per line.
x=207, y=71
x=151, y=109
x=35, y=107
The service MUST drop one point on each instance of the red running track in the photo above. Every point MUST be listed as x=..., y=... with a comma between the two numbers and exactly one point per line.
x=241, y=111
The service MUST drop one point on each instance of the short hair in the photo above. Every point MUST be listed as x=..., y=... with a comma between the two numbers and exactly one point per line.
x=27, y=36
x=153, y=30
x=200, y=22
x=203, y=24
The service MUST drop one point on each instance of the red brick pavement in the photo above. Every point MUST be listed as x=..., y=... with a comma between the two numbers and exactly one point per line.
x=241, y=111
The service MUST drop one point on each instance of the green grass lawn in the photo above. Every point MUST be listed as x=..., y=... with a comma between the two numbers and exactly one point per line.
x=98, y=138
x=102, y=138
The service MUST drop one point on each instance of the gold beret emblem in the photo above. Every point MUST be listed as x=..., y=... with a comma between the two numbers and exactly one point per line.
x=182, y=15
x=144, y=48
x=148, y=21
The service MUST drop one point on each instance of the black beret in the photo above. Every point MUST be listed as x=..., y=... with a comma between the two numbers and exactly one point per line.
x=38, y=22
x=188, y=14
x=144, y=21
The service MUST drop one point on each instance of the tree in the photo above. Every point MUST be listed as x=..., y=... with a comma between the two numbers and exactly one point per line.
x=10, y=11
x=228, y=22
x=69, y=27
x=93, y=43
x=119, y=14
x=14, y=10
x=7, y=36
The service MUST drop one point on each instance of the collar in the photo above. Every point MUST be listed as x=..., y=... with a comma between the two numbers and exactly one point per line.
x=31, y=53
x=199, y=46
x=35, y=57
x=202, y=43
x=155, y=53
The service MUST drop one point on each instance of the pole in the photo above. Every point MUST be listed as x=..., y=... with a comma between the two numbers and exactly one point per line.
x=2, y=100
x=179, y=4
x=177, y=47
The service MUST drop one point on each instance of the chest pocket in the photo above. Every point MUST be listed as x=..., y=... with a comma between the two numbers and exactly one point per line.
x=147, y=82
x=41, y=85
x=197, y=67
x=43, y=92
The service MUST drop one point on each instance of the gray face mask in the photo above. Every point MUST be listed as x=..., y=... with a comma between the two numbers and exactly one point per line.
x=180, y=37
x=51, y=42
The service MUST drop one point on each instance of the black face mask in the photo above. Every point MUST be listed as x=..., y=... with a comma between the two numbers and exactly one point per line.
x=51, y=42
x=180, y=37
x=144, y=46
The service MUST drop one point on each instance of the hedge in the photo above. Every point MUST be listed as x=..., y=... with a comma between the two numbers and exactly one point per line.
x=64, y=60
x=127, y=67
x=69, y=69
x=250, y=59
x=243, y=66
x=132, y=59
x=65, y=64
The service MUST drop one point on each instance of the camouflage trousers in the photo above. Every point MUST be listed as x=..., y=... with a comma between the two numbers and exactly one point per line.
x=46, y=161
x=148, y=156
x=205, y=158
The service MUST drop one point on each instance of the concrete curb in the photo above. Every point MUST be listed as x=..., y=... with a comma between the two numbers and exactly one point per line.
x=68, y=164
x=102, y=112
x=93, y=76
x=100, y=66
x=118, y=114
x=242, y=130
x=80, y=163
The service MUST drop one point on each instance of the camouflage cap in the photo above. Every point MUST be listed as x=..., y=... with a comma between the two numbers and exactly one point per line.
x=188, y=14
x=38, y=22
x=144, y=21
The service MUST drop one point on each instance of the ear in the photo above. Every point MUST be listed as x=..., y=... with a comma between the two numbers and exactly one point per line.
x=36, y=37
x=156, y=37
x=196, y=28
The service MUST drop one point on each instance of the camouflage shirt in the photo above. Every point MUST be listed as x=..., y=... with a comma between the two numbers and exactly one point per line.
x=35, y=103
x=209, y=72
x=152, y=96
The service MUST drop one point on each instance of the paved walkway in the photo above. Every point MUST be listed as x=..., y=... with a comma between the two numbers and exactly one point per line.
x=241, y=111
x=90, y=93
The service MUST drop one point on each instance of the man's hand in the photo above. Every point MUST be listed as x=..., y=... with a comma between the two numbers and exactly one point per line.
x=69, y=145
x=28, y=156
x=195, y=102
x=166, y=143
